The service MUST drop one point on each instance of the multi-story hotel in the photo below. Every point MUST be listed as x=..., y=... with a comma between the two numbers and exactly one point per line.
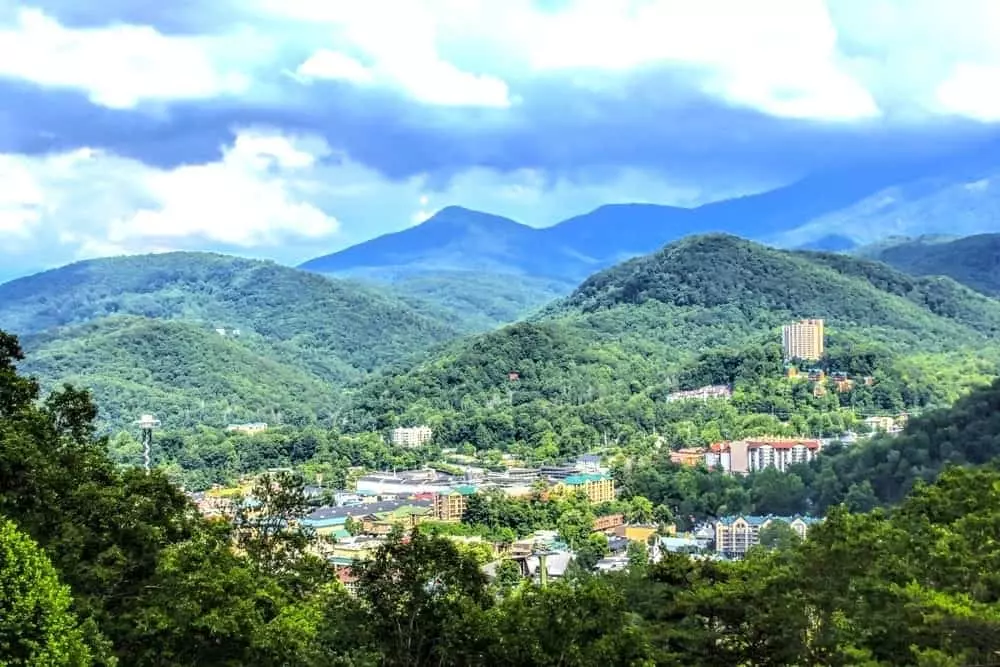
x=734, y=535
x=599, y=488
x=746, y=456
x=803, y=340
x=450, y=505
x=411, y=437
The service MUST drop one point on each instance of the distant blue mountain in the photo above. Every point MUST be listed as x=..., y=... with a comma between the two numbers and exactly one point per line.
x=822, y=212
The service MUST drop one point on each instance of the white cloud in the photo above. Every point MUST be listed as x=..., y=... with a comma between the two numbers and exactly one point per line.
x=86, y=203
x=121, y=65
x=972, y=90
x=400, y=39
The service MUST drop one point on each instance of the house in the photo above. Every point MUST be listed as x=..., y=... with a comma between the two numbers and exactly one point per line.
x=607, y=522
x=688, y=456
x=405, y=517
x=611, y=564
x=636, y=533
x=247, y=429
x=734, y=535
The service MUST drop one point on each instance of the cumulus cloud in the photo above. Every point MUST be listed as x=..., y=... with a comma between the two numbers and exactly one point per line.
x=121, y=65
x=85, y=202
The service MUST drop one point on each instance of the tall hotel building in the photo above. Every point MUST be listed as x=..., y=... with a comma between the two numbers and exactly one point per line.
x=803, y=340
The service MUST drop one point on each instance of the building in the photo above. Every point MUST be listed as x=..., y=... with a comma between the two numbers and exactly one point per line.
x=404, y=483
x=450, y=505
x=589, y=463
x=690, y=456
x=636, y=533
x=803, y=340
x=247, y=429
x=734, y=535
x=405, y=517
x=607, y=522
x=746, y=456
x=702, y=393
x=415, y=436
x=599, y=488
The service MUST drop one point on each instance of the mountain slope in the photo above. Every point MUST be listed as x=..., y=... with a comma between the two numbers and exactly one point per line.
x=475, y=301
x=973, y=261
x=186, y=374
x=454, y=239
x=954, y=201
x=600, y=363
x=326, y=333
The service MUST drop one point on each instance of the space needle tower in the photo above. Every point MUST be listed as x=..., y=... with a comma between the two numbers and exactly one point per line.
x=146, y=424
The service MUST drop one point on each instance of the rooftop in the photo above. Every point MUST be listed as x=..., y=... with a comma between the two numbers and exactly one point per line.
x=575, y=480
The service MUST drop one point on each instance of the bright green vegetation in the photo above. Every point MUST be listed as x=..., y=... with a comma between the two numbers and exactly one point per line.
x=180, y=369
x=154, y=584
x=595, y=368
x=36, y=624
x=476, y=301
x=301, y=336
x=973, y=261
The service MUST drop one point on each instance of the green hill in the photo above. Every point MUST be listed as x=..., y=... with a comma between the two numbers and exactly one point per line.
x=595, y=367
x=322, y=333
x=973, y=261
x=183, y=372
x=473, y=301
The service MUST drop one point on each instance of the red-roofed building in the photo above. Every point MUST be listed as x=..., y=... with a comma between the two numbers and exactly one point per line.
x=752, y=455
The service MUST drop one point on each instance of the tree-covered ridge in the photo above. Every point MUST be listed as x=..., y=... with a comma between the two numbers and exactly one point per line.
x=597, y=366
x=718, y=270
x=204, y=338
x=973, y=261
x=477, y=301
x=185, y=372
x=324, y=325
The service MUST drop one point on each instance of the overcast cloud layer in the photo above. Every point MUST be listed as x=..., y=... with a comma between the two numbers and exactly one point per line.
x=291, y=128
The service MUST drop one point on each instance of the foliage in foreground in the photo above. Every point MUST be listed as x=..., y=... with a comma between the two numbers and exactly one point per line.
x=154, y=584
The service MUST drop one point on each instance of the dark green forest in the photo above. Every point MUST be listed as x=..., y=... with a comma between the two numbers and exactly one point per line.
x=973, y=261
x=101, y=565
x=595, y=368
x=141, y=331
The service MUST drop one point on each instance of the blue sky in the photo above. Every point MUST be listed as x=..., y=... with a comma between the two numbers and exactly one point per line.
x=291, y=128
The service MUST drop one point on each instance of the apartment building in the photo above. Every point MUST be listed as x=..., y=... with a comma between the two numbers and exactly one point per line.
x=734, y=535
x=803, y=340
x=415, y=436
x=450, y=505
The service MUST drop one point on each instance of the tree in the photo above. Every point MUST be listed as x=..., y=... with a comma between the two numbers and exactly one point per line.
x=640, y=510
x=638, y=556
x=425, y=601
x=778, y=535
x=36, y=624
x=266, y=526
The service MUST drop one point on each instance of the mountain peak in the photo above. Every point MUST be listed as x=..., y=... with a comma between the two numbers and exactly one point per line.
x=467, y=217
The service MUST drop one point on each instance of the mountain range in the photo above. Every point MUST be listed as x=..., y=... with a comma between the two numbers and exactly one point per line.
x=835, y=211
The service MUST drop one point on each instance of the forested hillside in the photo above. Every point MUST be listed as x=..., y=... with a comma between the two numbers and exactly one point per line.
x=243, y=338
x=472, y=301
x=973, y=261
x=595, y=367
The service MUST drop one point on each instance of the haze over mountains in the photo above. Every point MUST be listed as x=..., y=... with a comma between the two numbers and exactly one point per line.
x=834, y=211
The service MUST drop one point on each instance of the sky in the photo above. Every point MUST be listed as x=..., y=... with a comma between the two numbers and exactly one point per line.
x=292, y=128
